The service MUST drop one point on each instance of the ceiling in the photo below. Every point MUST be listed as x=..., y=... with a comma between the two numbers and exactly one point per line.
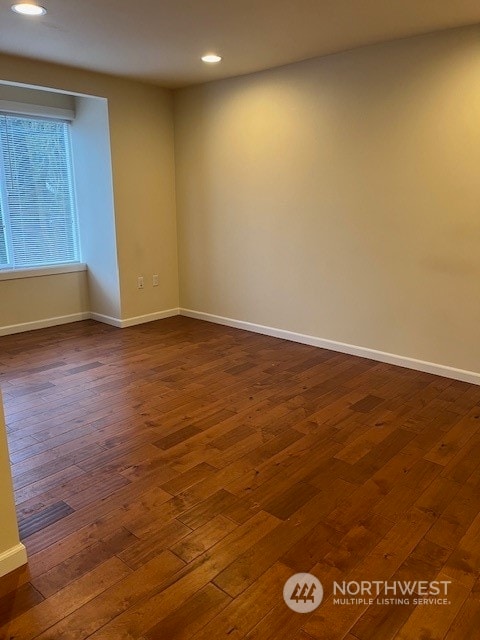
x=161, y=41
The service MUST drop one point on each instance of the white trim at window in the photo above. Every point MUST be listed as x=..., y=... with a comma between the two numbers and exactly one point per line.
x=35, y=272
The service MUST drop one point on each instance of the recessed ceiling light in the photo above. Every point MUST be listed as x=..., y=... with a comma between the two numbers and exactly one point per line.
x=29, y=9
x=211, y=58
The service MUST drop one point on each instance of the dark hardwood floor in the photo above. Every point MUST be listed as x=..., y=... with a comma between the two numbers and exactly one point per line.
x=170, y=477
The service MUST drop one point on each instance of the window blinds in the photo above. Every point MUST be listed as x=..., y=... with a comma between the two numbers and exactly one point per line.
x=38, y=223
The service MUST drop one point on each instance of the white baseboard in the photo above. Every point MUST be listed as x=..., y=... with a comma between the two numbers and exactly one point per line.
x=12, y=559
x=131, y=322
x=149, y=317
x=99, y=317
x=42, y=324
x=87, y=315
x=364, y=352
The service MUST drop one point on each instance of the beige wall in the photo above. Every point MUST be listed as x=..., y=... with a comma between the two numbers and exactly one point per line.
x=141, y=131
x=29, y=299
x=340, y=198
x=12, y=553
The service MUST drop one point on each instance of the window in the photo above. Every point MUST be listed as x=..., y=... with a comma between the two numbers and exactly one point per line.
x=38, y=221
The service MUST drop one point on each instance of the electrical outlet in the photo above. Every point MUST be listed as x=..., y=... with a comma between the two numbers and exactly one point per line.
x=140, y=283
x=155, y=280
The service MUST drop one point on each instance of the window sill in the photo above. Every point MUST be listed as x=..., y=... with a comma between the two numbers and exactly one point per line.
x=35, y=272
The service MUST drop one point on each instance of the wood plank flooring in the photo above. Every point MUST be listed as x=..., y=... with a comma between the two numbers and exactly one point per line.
x=170, y=477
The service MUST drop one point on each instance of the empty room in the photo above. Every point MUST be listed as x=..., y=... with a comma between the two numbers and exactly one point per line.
x=239, y=320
